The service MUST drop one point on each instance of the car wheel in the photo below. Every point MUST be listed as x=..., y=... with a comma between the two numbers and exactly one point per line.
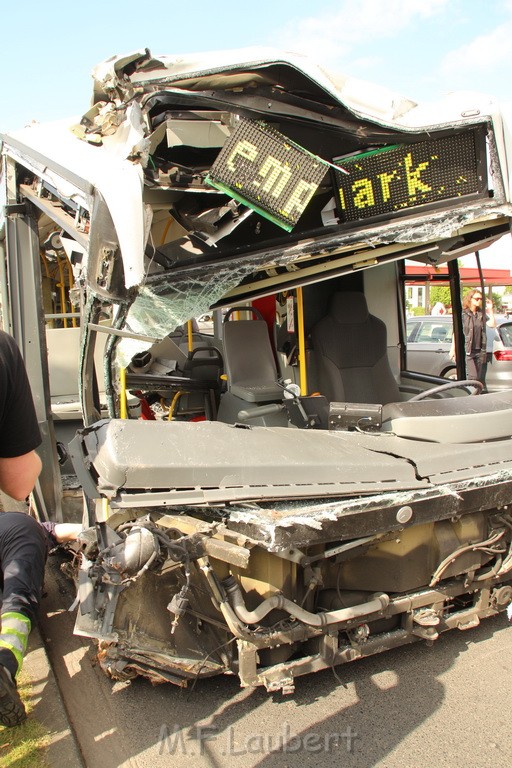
x=451, y=373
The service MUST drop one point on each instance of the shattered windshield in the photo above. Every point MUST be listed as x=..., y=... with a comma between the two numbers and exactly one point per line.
x=165, y=303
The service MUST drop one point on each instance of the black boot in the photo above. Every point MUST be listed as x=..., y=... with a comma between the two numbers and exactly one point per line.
x=12, y=711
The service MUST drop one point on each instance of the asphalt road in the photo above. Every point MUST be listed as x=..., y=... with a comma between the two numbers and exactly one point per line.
x=415, y=707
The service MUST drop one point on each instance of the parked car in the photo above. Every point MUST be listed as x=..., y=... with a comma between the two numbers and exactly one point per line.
x=499, y=371
x=429, y=340
x=205, y=323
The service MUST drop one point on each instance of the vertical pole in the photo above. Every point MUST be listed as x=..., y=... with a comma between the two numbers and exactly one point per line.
x=62, y=291
x=123, y=408
x=460, y=350
x=28, y=329
x=302, y=344
x=5, y=306
x=190, y=337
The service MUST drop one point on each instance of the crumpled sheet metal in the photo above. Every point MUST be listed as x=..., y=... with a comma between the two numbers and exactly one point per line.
x=314, y=515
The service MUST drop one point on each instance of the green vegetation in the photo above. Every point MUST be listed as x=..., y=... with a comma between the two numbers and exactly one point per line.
x=440, y=293
x=26, y=745
x=417, y=311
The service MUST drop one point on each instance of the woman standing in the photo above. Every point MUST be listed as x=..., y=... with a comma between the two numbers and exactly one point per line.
x=474, y=323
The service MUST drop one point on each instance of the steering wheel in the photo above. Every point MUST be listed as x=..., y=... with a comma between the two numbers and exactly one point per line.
x=448, y=385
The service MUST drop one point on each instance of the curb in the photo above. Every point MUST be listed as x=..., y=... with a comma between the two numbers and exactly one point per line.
x=48, y=707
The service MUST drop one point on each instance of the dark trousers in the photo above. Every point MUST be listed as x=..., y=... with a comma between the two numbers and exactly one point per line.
x=23, y=550
x=487, y=360
x=474, y=367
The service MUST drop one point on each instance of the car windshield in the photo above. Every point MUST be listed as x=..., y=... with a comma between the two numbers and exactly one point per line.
x=431, y=330
x=505, y=331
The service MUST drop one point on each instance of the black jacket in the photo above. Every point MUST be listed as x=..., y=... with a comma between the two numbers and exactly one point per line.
x=469, y=322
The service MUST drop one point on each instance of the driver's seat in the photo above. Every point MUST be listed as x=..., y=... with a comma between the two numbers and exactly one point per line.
x=350, y=351
x=249, y=360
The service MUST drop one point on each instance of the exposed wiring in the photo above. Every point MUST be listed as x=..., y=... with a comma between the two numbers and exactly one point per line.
x=219, y=647
x=483, y=546
x=490, y=573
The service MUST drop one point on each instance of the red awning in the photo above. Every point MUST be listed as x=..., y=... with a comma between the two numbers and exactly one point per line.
x=420, y=273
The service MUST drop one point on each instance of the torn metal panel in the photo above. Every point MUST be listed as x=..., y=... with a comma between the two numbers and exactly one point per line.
x=134, y=455
x=256, y=464
x=299, y=523
x=129, y=456
x=246, y=67
x=441, y=463
x=118, y=181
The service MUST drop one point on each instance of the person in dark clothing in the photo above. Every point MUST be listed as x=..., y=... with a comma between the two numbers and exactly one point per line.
x=24, y=543
x=474, y=322
x=19, y=431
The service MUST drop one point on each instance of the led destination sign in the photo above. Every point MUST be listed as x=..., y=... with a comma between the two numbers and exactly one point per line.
x=396, y=179
x=271, y=174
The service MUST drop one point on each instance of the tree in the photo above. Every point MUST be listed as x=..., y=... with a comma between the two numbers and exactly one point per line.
x=440, y=293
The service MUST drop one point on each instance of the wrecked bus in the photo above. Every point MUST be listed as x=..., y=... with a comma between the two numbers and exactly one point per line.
x=206, y=276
